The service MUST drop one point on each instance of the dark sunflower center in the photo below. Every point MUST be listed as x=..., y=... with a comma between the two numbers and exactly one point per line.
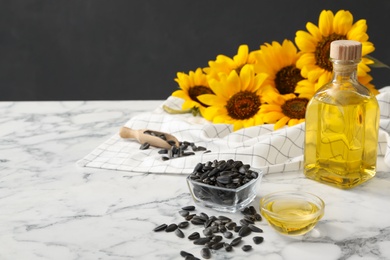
x=323, y=51
x=243, y=105
x=295, y=108
x=195, y=91
x=287, y=78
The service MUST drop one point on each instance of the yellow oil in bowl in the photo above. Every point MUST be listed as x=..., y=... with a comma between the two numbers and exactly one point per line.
x=292, y=213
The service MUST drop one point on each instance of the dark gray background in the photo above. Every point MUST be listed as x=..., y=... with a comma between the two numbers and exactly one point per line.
x=132, y=49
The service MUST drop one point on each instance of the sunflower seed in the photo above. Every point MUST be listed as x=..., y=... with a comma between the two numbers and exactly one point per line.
x=236, y=241
x=228, y=247
x=216, y=239
x=194, y=236
x=144, y=146
x=205, y=253
x=246, y=211
x=224, y=219
x=258, y=240
x=224, y=179
x=204, y=216
x=208, y=223
x=163, y=151
x=183, y=224
x=222, y=228
x=160, y=228
x=253, y=210
x=244, y=231
x=244, y=222
x=188, y=208
x=184, y=254
x=258, y=217
x=171, y=228
x=255, y=228
x=190, y=216
x=228, y=234
x=231, y=225
x=246, y=248
x=250, y=219
x=217, y=246
x=196, y=220
x=184, y=213
x=207, y=232
x=179, y=233
x=237, y=228
x=202, y=241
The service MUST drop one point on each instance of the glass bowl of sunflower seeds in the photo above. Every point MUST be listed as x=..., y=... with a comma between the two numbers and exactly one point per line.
x=224, y=185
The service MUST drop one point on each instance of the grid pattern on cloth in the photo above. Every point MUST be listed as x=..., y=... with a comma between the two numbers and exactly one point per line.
x=260, y=146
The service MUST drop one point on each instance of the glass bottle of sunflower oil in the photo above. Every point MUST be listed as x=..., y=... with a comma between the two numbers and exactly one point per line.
x=342, y=122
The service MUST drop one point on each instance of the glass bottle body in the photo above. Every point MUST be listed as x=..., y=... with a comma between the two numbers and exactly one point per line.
x=341, y=138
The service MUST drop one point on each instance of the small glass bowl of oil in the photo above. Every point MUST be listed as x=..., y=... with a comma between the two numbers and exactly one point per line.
x=292, y=213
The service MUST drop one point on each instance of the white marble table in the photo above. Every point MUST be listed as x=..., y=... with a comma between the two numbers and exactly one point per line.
x=50, y=208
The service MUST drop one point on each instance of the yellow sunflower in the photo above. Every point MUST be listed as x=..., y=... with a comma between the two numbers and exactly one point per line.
x=225, y=64
x=279, y=62
x=315, y=47
x=192, y=85
x=283, y=110
x=236, y=100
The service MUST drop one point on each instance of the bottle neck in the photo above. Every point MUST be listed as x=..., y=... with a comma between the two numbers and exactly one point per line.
x=345, y=70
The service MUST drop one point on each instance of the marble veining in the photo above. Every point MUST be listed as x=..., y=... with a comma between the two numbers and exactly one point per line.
x=52, y=209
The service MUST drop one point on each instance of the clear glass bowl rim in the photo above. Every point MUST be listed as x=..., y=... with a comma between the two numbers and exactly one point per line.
x=303, y=195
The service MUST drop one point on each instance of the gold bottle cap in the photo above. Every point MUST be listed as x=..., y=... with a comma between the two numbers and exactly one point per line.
x=346, y=50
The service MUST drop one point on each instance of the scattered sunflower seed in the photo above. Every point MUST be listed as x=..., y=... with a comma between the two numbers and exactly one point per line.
x=205, y=253
x=188, y=208
x=202, y=241
x=236, y=241
x=160, y=227
x=244, y=231
x=194, y=236
x=184, y=213
x=246, y=248
x=228, y=234
x=255, y=228
x=217, y=246
x=184, y=254
x=228, y=247
x=144, y=146
x=171, y=228
x=179, y=233
x=183, y=224
x=258, y=240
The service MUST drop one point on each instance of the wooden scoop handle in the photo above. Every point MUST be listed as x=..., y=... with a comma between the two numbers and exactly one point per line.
x=142, y=137
x=126, y=132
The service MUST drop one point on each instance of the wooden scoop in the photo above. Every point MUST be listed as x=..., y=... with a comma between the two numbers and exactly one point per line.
x=148, y=136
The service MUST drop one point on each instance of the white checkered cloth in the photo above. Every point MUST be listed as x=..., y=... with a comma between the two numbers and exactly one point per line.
x=260, y=146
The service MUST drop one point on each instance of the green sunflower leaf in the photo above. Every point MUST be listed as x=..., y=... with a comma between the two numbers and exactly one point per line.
x=377, y=63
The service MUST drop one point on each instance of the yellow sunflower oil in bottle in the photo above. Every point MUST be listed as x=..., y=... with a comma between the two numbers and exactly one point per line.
x=342, y=122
